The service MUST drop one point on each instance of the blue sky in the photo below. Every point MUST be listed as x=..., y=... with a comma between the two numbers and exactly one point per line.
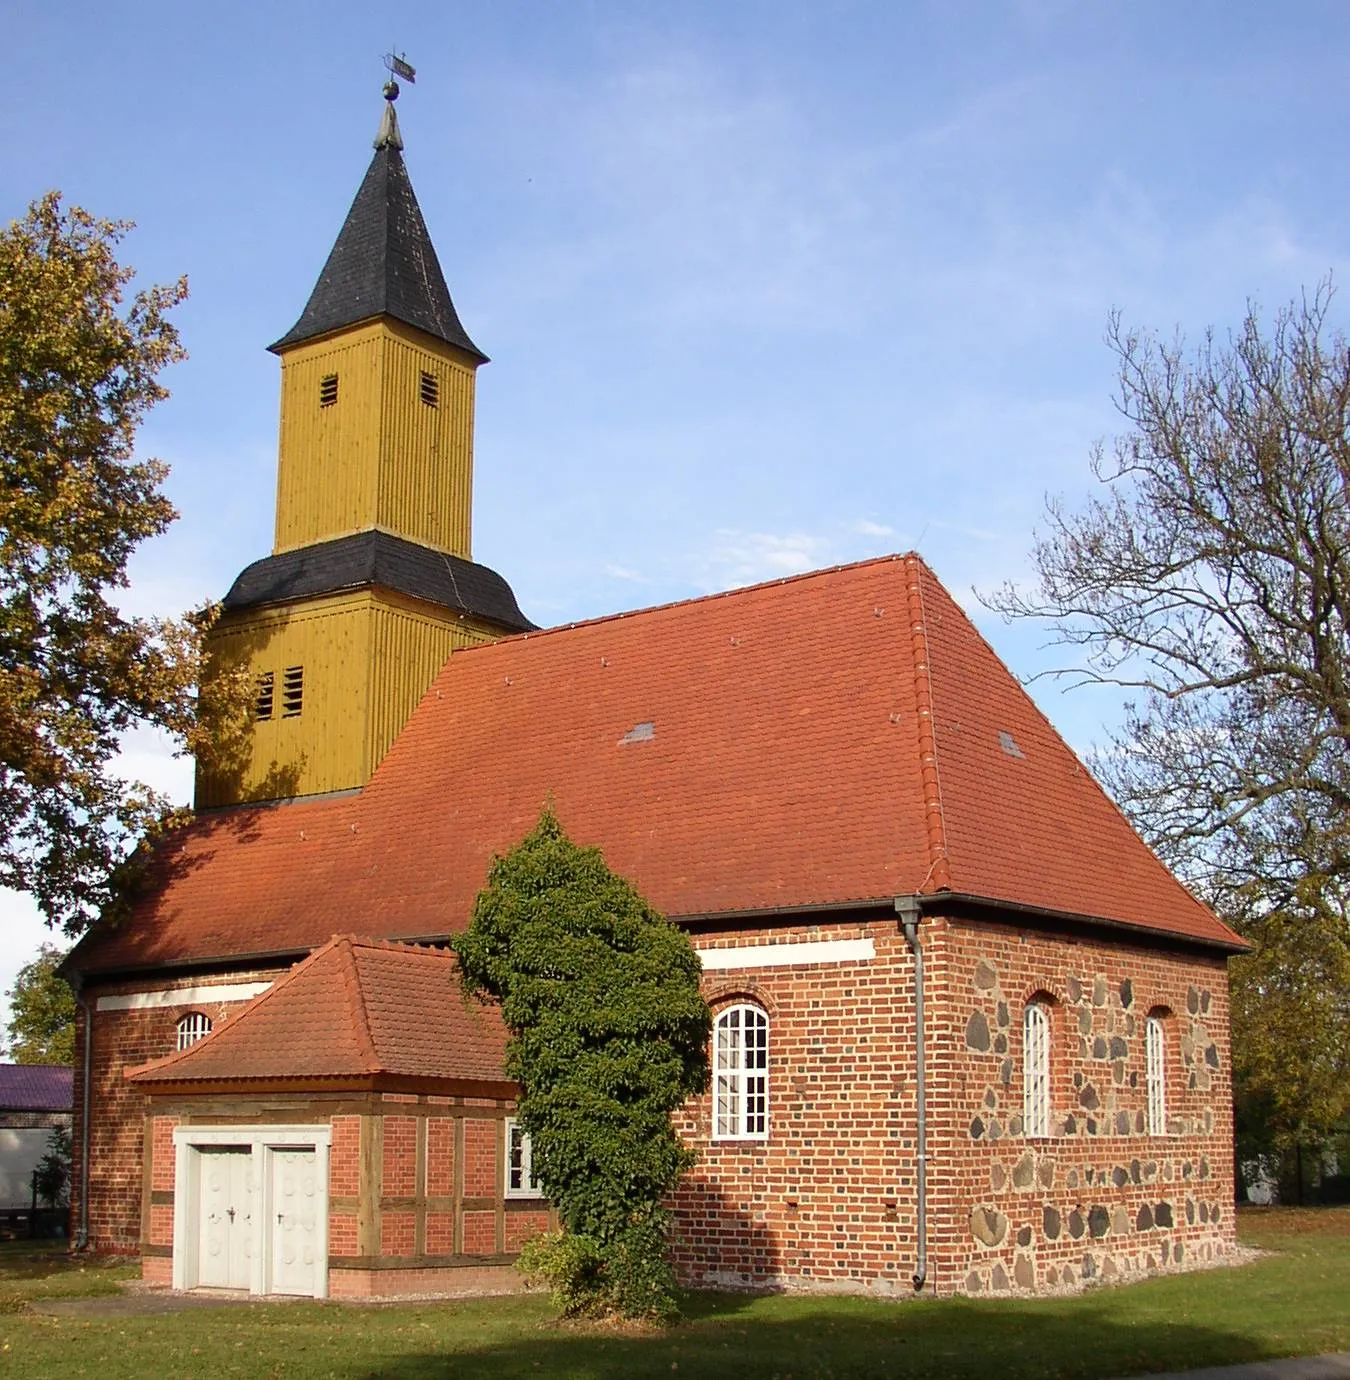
x=767, y=286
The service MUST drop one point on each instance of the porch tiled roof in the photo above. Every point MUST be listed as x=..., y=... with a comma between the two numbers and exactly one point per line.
x=354, y=1009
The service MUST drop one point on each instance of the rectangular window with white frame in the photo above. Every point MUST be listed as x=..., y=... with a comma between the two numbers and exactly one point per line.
x=520, y=1180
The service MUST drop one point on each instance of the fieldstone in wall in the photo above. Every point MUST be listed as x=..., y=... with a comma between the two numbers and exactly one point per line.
x=1076, y=1225
x=1120, y=1176
x=986, y=975
x=1119, y=1049
x=1192, y=1001
x=1002, y=1015
x=1085, y=1022
x=974, y=1284
x=988, y=1225
x=1099, y=991
x=1126, y=993
x=1098, y=1221
x=1050, y=1223
x=1144, y=1219
x=1120, y=1221
x=1023, y=1273
x=1024, y=1236
x=1074, y=990
x=1024, y=1171
x=998, y=1178
x=1162, y=1214
x=1045, y=1171
x=1088, y=1098
x=1005, y=1073
x=977, y=1032
x=998, y=1278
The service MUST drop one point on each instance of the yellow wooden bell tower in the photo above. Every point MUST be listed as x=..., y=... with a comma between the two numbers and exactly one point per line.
x=371, y=584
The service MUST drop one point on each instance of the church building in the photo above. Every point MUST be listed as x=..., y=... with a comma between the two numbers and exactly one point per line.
x=969, y=1034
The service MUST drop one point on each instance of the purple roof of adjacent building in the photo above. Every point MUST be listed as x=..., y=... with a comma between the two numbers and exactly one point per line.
x=36, y=1088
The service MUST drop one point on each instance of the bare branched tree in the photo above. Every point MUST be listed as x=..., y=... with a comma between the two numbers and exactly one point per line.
x=1214, y=579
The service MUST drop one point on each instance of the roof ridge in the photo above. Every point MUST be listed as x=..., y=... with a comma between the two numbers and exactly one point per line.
x=843, y=568
x=357, y=992
x=939, y=869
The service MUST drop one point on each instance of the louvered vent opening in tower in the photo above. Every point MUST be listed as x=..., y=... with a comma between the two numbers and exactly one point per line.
x=431, y=390
x=293, y=692
x=328, y=390
x=262, y=704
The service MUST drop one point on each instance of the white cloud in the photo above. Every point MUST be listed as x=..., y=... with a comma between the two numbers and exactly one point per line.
x=867, y=528
x=746, y=558
x=622, y=572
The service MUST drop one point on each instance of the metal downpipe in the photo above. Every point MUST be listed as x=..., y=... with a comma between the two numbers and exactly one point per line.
x=907, y=908
x=82, y=1232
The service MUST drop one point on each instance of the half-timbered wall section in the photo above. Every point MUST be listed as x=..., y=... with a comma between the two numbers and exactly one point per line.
x=416, y=1186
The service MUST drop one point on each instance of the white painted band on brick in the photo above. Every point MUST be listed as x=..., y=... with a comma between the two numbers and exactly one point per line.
x=789, y=955
x=182, y=996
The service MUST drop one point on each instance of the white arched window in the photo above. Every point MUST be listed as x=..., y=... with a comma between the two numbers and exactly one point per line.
x=192, y=1028
x=1036, y=1070
x=741, y=1074
x=1156, y=1052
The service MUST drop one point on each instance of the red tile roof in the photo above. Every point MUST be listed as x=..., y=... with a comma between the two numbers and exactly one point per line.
x=354, y=1010
x=844, y=736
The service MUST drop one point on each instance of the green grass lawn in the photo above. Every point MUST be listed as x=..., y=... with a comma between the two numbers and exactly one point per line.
x=1294, y=1301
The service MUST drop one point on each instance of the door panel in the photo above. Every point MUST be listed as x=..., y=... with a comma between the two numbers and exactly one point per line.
x=225, y=1217
x=295, y=1203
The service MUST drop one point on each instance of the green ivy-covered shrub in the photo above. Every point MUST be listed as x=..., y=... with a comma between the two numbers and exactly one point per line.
x=609, y=1035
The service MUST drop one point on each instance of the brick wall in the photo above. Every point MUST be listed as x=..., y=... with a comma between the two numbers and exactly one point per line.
x=827, y=1201
x=123, y=1040
x=1100, y=1196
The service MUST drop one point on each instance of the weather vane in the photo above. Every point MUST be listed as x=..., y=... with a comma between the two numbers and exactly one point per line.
x=397, y=66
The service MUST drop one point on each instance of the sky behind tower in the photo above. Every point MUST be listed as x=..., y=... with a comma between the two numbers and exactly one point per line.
x=767, y=285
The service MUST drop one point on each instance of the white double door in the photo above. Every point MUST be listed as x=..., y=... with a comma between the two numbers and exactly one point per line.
x=244, y=1188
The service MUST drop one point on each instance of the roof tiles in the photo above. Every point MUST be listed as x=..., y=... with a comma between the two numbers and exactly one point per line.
x=827, y=739
x=36, y=1088
x=355, y=1009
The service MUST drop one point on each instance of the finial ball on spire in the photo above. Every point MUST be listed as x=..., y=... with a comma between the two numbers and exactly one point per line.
x=391, y=90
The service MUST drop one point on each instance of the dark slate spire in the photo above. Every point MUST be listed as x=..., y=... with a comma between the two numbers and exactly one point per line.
x=383, y=263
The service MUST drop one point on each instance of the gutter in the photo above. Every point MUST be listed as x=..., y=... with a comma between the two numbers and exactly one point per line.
x=907, y=908
x=82, y=1231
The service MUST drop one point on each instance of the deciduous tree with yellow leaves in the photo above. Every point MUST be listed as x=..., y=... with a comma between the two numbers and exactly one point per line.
x=79, y=368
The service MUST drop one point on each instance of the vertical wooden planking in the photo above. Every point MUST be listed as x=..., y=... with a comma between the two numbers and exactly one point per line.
x=328, y=460
x=426, y=452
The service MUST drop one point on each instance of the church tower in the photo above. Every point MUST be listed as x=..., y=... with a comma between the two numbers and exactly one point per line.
x=371, y=582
